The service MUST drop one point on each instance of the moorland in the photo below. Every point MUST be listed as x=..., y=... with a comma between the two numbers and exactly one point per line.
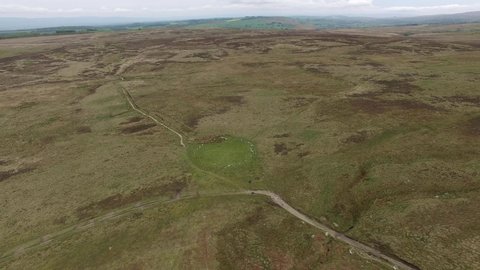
x=372, y=132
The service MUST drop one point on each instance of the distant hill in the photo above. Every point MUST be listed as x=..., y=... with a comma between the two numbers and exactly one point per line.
x=12, y=27
x=469, y=17
x=339, y=21
x=13, y=23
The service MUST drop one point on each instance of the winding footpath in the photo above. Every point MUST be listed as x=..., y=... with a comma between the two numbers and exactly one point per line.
x=355, y=246
x=142, y=112
x=359, y=247
x=48, y=239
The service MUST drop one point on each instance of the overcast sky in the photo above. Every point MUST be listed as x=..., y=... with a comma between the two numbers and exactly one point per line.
x=180, y=9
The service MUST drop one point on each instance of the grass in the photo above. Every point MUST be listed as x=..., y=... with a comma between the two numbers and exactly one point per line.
x=247, y=235
x=372, y=137
x=152, y=234
x=309, y=135
x=227, y=156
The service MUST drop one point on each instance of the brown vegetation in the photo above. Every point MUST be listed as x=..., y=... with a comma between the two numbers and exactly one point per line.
x=171, y=189
x=4, y=175
x=137, y=128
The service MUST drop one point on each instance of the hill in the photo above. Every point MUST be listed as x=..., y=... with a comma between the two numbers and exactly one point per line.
x=140, y=149
x=15, y=27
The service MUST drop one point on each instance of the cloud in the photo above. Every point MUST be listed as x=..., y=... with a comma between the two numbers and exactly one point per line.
x=33, y=9
x=75, y=10
x=21, y=8
x=218, y=8
x=295, y=4
x=253, y=2
x=426, y=8
x=360, y=3
x=122, y=10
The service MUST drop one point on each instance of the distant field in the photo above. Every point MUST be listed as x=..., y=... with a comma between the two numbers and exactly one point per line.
x=373, y=132
x=65, y=26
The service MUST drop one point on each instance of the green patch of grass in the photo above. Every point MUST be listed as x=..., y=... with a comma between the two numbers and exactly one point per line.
x=309, y=135
x=228, y=156
x=382, y=137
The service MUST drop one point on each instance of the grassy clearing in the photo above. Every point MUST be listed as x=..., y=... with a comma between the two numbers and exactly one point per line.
x=227, y=156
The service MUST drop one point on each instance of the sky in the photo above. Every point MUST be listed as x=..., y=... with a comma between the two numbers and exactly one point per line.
x=188, y=9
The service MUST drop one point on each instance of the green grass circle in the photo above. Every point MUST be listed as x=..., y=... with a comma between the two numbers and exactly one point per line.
x=225, y=155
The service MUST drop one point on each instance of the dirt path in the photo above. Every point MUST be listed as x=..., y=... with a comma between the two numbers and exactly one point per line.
x=360, y=248
x=363, y=249
x=45, y=240
x=134, y=106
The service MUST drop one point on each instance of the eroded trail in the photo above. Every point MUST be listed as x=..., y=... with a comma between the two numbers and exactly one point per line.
x=134, y=106
x=356, y=246
x=48, y=239
x=372, y=253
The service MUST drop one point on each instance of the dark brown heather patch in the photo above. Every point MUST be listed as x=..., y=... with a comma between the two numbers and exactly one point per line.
x=375, y=106
x=358, y=137
x=60, y=220
x=361, y=175
x=474, y=100
x=398, y=87
x=134, y=119
x=210, y=139
x=285, y=135
x=298, y=102
x=411, y=105
x=473, y=126
x=239, y=44
x=92, y=89
x=372, y=64
x=171, y=189
x=256, y=64
x=386, y=249
x=86, y=90
x=303, y=154
x=349, y=207
x=137, y=128
x=193, y=119
x=203, y=55
x=84, y=129
x=144, y=43
x=143, y=67
x=281, y=149
x=316, y=68
x=368, y=105
x=47, y=140
x=26, y=105
x=236, y=100
x=4, y=162
x=7, y=174
x=372, y=95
